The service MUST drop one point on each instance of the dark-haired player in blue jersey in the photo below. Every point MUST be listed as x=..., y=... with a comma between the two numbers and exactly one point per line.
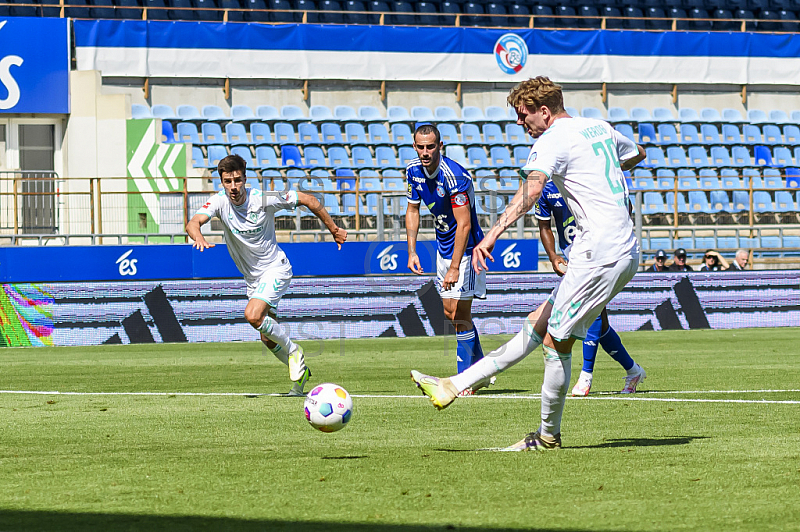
x=445, y=187
x=552, y=205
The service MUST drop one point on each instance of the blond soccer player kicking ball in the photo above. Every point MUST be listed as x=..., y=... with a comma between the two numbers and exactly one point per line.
x=585, y=158
x=248, y=219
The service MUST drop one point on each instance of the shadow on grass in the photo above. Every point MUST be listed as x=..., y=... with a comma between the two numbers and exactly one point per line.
x=501, y=391
x=65, y=522
x=641, y=442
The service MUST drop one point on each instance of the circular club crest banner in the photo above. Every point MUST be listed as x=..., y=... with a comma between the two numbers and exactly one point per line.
x=511, y=53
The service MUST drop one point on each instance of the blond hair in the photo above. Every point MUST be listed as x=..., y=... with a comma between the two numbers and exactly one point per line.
x=537, y=92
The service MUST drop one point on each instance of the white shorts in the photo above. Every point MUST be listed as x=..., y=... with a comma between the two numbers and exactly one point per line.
x=272, y=284
x=583, y=293
x=470, y=284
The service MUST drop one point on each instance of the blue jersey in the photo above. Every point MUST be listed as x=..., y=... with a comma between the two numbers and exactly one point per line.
x=450, y=186
x=552, y=204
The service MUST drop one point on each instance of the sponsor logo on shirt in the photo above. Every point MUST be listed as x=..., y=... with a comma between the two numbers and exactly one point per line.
x=553, y=195
x=252, y=217
x=532, y=157
x=418, y=179
x=247, y=231
x=207, y=205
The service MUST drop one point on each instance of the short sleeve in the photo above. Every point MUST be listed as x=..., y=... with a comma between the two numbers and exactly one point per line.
x=411, y=192
x=541, y=211
x=281, y=200
x=211, y=207
x=626, y=148
x=548, y=155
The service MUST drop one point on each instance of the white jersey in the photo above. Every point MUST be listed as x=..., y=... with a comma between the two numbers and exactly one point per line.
x=250, y=228
x=582, y=156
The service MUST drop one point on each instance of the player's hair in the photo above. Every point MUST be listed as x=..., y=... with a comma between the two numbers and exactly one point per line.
x=232, y=163
x=537, y=92
x=427, y=129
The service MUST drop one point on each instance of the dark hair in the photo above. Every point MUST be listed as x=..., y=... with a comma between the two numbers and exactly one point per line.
x=231, y=164
x=427, y=129
x=716, y=259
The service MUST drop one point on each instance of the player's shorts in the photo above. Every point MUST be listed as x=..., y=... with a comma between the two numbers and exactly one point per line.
x=583, y=293
x=272, y=284
x=470, y=283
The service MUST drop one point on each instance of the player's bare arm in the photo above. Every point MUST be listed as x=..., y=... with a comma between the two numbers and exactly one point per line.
x=633, y=161
x=412, y=228
x=523, y=201
x=339, y=234
x=549, y=244
x=193, y=230
x=463, y=227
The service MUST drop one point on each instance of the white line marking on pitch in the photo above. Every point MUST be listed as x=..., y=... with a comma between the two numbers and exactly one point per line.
x=603, y=396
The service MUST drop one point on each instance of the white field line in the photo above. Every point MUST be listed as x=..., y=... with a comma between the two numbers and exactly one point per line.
x=603, y=396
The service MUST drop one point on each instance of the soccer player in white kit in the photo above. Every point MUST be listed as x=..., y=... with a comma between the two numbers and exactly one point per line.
x=585, y=158
x=248, y=218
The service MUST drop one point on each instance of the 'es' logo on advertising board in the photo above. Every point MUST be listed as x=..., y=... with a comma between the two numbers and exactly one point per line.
x=511, y=257
x=388, y=261
x=127, y=267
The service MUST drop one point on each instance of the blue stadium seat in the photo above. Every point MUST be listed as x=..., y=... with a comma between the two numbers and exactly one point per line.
x=689, y=115
x=266, y=157
x=719, y=201
x=655, y=157
x=179, y=11
x=592, y=112
x=353, y=17
x=214, y=113
x=427, y=14
x=308, y=134
x=470, y=134
x=314, y=157
x=516, y=136
x=784, y=202
x=653, y=203
x=420, y=113
x=236, y=134
x=665, y=179
x=187, y=132
x=762, y=156
x=676, y=157
x=400, y=6
x=492, y=134
x=667, y=135
x=688, y=134
x=476, y=157
x=733, y=116
x=762, y=202
x=355, y=133
x=167, y=133
x=444, y=113
x=189, y=112
x=501, y=158
x=385, y=158
x=267, y=113
x=198, y=161
x=520, y=15
x=207, y=10
x=258, y=13
x=751, y=134
x=640, y=114
x=362, y=157
x=793, y=179
x=398, y=114
x=754, y=175
x=233, y=16
x=711, y=115
x=331, y=134
x=782, y=156
x=670, y=205
x=378, y=134
x=772, y=134
x=215, y=154
x=687, y=180
x=448, y=133
x=709, y=134
x=731, y=134
x=618, y=114
x=402, y=135
x=741, y=156
x=330, y=12
x=368, y=113
x=697, y=202
x=662, y=114
x=284, y=133
x=242, y=113
x=521, y=155
x=647, y=133
x=140, y=111
x=260, y=134
x=293, y=114
x=291, y=156
x=320, y=113
x=626, y=130
x=472, y=114
x=698, y=157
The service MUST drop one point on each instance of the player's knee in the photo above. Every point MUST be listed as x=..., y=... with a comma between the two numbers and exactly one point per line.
x=450, y=313
x=253, y=317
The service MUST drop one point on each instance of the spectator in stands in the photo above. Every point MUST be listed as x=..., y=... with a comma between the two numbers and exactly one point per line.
x=660, y=265
x=679, y=264
x=739, y=261
x=247, y=217
x=714, y=262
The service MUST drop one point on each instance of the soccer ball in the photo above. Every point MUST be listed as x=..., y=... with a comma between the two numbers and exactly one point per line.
x=328, y=407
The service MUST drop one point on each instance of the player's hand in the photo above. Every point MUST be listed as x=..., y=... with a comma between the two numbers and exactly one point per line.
x=201, y=243
x=480, y=253
x=559, y=266
x=414, y=265
x=450, y=278
x=339, y=236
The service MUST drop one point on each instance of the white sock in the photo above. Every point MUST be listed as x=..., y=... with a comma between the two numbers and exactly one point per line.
x=500, y=359
x=557, y=367
x=635, y=369
x=277, y=334
x=280, y=353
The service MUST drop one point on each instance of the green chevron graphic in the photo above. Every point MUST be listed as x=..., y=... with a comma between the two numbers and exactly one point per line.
x=153, y=167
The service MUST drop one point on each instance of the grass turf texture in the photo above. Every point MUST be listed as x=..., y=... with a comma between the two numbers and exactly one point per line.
x=172, y=462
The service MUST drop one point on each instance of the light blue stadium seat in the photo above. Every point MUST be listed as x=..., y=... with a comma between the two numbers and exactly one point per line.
x=643, y=179
x=498, y=114
x=733, y=116
x=338, y=158
x=618, y=114
x=472, y=114
x=378, y=134
x=784, y=201
x=687, y=180
x=215, y=154
x=757, y=116
x=689, y=135
x=773, y=178
x=740, y=201
x=709, y=135
x=331, y=202
x=501, y=158
x=244, y=153
x=242, y=113
x=740, y=156
x=698, y=203
x=776, y=116
x=593, y=112
x=443, y=113
x=772, y=134
x=662, y=114
x=791, y=135
x=420, y=113
x=516, y=136
x=731, y=134
x=687, y=114
x=791, y=245
x=187, y=132
x=189, y=112
x=395, y=113
x=727, y=242
x=731, y=179
x=236, y=134
x=720, y=157
x=459, y=155
x=448, y=133
x=626, y=130
x=362, y=157
x=284, y=133
x=571, y=111
x=709, y=114
x=667, y=134
x=520, y=155
x=719, y=201
x=368, y=113
x=266, y=158
x=386, y=158
x=198, y=161
x=698, y=157
x=782, y=156
x=471, y=134
x=140, y=111
x=676, y=157
x=307, y=134
x=260, y=133
x=214, y=113
x=762, y=202
x=754, y=175
x=267, y=113
x=314, y=157
x=349, y=205
x=331, y=134
x=402, y=134
x=653, y=203
x=369, y=183
x=709, y=181
x=345, y=113
x=665, y=179
x=492, y=134
x=655, y=157
x=771, y=245
x=405, y=154
x=476, y=157
x=293, y=113
x=640, y=114
x=669, y=203
x=751, y=134
x=647, y=133
x=164, y=112
x=212, y=133
x=355, y=133
x=320, y=113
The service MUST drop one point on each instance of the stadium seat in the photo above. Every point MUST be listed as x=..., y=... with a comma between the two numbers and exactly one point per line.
x=640, y=114
x=353, y=16
x=492, y=134
x=180, y=10
x=720, y=157
x=698, y=157
x=293, y=114
x=724, y=20
x=784, y=202
x=330, y=12
x=733, y=116
x=634, y=19
x=256, y=12
x=666, y=179
x=782, y=156
x=163, y=112
x=314, y=157
x=772, y=178
x=260, y=134
x=730, y=179
x=793, y=178
x=655, y=157
x=667, y=135
x=402, y=135
x=626, y=130
x=207, y=10
x=697, y=202
x=592, y=112
x=244, y=153
x=515, y=135
x=731, y=134
x=670, y=205
x=236, y=134
x=751, y=134
x=444, y=113
x=167, y=133
x=762, y=156
x=421, y=113
x=791, y=135
x=320, y=113
x=451, y=9
x=618, y=114
x=198, y=161
x=740, y=156
x=520, y=14
x=215, y=154
x=291, y=156
x=472, y=114
x=405, y=154
x=189, y=113
x=385, y=158
x=398, y=114
x=368, y=113
x=776, y=116
x=266, y=157
x=501, y=158
x=613, y=16
x=699, y=23
x=331, y=134
x=653, y=203
x=647, y=133
x=496, y=114
x=662, y=114
x=284, y=133
x=709, y=134
x=762, y=202
x=688, y=115
x=476, y=157
x=427, y=14
x=719, y=201
x=772, y=134
x=571, y=111
x=687, y=180
x=307, y=134
x=355, y=133
x=233, y=16
x=688, y=134
x=471, y=135
x=378, y=134
x=709, y=181
x=267, y=113
x=449, y=133
x=676, y=157
x=757, y=116
x=520, y=154
x=399, y=6
x=458, y=154
x=711, y=115
x=362, y=157
x=242, y=113
x=140, y=111
x=187, y=132
x=752, y=175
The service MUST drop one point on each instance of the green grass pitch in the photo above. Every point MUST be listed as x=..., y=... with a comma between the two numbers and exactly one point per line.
x=712, y=442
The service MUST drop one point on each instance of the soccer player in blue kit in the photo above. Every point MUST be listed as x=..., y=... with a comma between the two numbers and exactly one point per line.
x=445, y=187
x=551, y=204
